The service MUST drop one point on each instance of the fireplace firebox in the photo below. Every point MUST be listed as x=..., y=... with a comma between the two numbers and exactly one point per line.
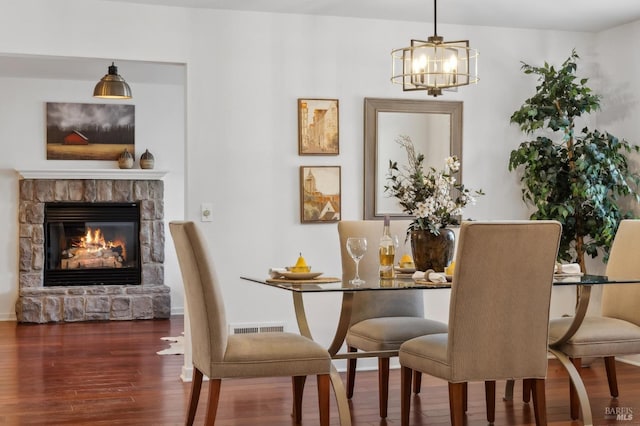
x=91, y=244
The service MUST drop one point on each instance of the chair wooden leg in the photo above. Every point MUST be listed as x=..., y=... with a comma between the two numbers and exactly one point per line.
x=196, y=385
x=610, y=365
x=526, y=390
x=539, y=401
x=465, y=397
x=456, y=403
x=297, y=383
x=574, y=401
x=405, y=395
x=490, y=399
x=383, y=385
x=351, y=372
x=417, y=381
x=324, y=387
x=212, y=403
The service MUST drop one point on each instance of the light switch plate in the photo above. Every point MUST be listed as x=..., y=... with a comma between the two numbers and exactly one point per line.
x=206, y=212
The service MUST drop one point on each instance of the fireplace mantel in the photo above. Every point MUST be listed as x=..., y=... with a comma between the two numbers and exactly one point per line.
x=112, y=174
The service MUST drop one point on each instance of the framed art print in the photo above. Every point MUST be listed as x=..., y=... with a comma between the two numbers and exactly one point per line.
x=78, y=131
x=319, y=194
x=318, y=127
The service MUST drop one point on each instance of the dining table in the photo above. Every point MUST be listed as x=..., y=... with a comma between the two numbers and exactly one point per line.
x=403, y=282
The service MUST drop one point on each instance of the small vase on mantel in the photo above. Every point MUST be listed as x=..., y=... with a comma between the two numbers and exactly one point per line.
x=146, y=160
x=125, y=161
x=432, y=251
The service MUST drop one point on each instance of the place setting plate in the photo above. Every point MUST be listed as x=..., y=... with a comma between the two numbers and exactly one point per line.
x=300, y=275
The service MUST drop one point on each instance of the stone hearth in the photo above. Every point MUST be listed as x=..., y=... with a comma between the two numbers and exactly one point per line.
x=39, y=304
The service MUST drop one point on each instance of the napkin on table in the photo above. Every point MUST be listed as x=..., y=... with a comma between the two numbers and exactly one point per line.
x=567, y=268
x=568, y=279
x=276, y=272
x=430, y=275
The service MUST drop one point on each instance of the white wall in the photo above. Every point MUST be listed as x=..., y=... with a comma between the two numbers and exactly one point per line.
x=22, y=130
x=69, y=29
x=245, y=72
x=255, y=120
x=620, y=90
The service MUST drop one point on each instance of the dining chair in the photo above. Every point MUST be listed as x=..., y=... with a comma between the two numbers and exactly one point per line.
x=616, y=331
x=219, y=355
x=498, y=316
x=380, y=321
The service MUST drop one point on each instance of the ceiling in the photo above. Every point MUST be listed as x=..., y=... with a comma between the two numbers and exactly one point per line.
x=91, y=69
x=569, y=15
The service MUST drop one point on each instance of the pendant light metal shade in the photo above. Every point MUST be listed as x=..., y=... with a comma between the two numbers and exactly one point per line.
x=112, y=86
x=434, y=64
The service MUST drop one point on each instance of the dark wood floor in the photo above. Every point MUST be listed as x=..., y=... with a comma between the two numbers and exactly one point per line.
x=103, y=373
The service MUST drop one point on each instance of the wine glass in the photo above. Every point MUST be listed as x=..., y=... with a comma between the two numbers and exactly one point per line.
x=396, y=244
x=356, y=246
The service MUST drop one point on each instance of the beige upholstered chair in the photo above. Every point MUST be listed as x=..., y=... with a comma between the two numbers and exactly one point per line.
x=219, y=355
x=617, y=330
x=380, y=321
x=498, y=315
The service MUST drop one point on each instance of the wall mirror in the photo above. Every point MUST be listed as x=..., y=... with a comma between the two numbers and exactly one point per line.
x=435, y=127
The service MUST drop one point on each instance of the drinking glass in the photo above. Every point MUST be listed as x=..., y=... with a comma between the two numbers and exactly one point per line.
x=356, y=246
x=396, y=245
x=396, y=241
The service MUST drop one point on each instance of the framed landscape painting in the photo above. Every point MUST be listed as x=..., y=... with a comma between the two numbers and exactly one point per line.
x=318, y=127
x=320, y=196
x=78, y=131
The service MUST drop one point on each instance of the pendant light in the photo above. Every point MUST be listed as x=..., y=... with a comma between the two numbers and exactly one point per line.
x=112, y=86
x=434, y=64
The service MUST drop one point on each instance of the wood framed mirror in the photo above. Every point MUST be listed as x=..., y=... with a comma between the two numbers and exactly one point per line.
x=435, y=127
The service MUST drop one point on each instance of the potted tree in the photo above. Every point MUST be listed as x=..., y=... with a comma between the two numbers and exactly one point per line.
x=578, y=178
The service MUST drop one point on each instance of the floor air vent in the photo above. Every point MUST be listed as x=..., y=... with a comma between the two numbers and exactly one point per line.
x=245, y=328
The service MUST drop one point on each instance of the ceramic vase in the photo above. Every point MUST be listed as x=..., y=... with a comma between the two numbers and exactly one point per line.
x=125, y=161
x=146, y=160
x=432, y=251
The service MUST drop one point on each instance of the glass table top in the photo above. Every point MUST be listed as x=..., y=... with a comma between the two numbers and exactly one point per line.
x=342, y=286
x=406, y=283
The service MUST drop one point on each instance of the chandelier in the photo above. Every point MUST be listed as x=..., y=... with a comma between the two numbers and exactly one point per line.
x=434, y=64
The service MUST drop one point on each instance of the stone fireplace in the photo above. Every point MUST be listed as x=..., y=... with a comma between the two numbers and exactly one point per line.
x=108, y=298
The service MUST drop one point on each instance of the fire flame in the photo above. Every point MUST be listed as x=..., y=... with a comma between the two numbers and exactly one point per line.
x=94, y=241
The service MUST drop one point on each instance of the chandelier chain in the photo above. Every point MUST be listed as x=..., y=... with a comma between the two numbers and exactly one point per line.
x=435, y=18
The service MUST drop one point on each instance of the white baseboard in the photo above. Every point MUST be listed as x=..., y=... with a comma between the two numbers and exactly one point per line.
x=11, y=316
x=8, y=317
x=628, y=361
x=187, y=374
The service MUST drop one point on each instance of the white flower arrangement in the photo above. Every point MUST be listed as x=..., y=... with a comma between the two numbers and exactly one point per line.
x=433, y=197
